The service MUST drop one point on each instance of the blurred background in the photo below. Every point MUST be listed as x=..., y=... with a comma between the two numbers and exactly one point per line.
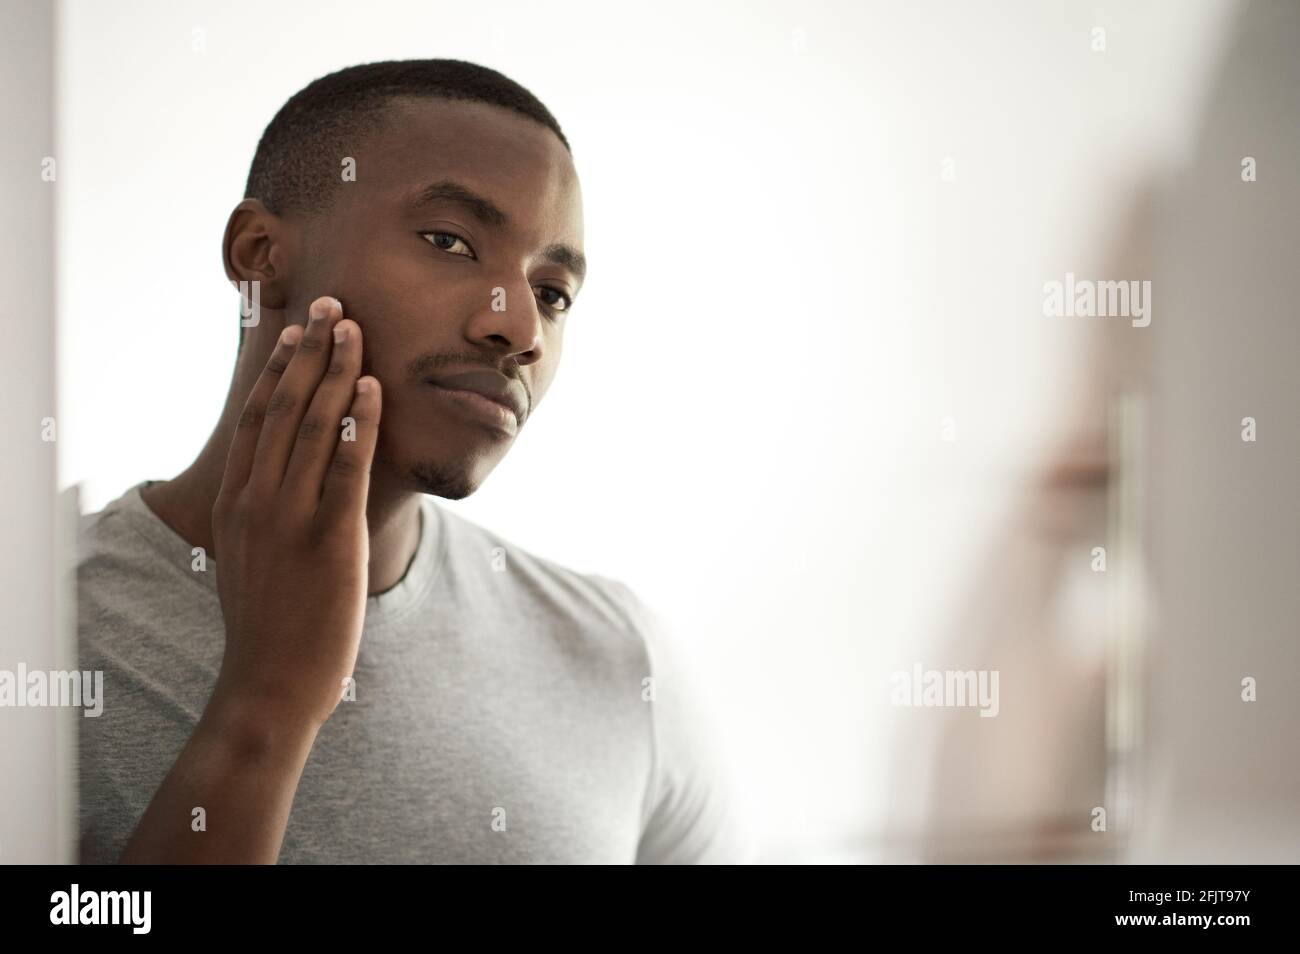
x=850, y=446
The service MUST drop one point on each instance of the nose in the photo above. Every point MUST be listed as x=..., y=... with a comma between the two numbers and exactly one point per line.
x=510, y=323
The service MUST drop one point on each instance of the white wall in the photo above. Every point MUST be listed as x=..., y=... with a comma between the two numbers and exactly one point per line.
x=37, y=801
x=785, y=298
x=1223, y=777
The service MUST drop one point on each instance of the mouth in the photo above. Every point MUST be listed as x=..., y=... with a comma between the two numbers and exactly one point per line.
x=489, y=412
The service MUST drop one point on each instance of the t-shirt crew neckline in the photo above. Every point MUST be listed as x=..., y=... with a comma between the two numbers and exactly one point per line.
x=420, y=574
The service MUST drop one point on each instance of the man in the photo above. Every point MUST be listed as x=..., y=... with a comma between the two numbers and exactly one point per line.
x=305, y=658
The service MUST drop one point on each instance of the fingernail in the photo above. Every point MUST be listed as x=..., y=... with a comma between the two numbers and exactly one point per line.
x=320, y=308
x=364, y=385
x=340, y=333
x=291, y=335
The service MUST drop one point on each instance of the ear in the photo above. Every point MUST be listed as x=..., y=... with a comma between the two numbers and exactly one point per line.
x=258, y=247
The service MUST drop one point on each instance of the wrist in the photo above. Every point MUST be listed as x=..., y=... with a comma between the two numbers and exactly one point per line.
x=256, y=729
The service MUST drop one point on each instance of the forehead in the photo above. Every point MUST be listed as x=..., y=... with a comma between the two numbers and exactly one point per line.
x=515, y=162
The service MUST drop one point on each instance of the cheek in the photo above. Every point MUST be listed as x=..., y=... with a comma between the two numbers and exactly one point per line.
x=413, y=298
x=401, y=317
x=546, y=371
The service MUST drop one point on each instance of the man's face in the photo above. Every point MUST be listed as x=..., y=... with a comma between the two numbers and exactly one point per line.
x=451, y=285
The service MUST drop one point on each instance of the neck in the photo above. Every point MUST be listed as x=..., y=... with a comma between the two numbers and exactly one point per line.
x=185, y=502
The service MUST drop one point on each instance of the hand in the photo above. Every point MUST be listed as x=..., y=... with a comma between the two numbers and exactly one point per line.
x=289, y=524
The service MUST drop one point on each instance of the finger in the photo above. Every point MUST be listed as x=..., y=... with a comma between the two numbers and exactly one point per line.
x=239, y=460
x=347, y=481
x=325, y=421
x=288, y=403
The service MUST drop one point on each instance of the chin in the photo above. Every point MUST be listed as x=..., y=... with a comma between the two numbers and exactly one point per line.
x=452, y=468
x=450, y=481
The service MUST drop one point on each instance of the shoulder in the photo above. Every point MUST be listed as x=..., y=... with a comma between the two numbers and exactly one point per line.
x=111, y=557
x=689, y=814
x=544, y=588
x=102, y=533
x=136, y=584
x=693, y=815
x=115, y=540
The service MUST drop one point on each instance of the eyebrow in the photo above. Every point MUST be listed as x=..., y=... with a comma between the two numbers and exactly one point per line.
x=489, y=213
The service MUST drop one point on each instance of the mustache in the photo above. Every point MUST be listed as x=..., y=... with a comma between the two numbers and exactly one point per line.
x=427, y=365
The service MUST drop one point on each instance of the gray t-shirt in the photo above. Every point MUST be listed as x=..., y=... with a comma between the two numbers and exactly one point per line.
x=501, y=712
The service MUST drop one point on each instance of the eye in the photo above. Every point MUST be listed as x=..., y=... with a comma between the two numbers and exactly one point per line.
x=449, y=242
x=546, y=291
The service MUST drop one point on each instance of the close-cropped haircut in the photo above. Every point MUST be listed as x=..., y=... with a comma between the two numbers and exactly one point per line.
x=298, y=160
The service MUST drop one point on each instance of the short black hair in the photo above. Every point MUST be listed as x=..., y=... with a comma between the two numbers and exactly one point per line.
x=298, y=159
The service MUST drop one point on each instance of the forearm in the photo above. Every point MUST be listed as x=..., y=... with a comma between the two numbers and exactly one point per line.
x=241, y=766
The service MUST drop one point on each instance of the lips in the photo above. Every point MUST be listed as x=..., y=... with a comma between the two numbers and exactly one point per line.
x=508, y=392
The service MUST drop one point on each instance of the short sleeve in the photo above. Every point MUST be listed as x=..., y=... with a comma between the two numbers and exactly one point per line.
x=691, y=814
